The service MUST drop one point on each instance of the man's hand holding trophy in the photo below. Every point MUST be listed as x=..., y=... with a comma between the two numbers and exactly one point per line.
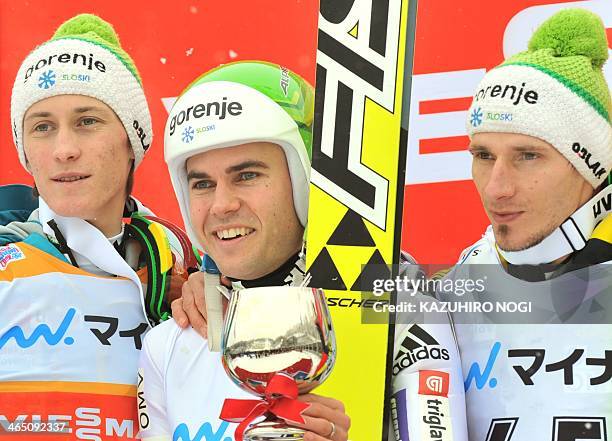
x=277, y=342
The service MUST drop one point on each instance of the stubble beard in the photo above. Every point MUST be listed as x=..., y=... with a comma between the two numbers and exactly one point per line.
x=502, y=231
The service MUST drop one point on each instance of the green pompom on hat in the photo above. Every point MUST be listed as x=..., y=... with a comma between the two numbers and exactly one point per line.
x=555, y=91
x=573, y=32
x=89, y=27
x=84, y=57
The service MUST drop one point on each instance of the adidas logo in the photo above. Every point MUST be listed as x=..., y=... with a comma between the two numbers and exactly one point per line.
x=415, y=347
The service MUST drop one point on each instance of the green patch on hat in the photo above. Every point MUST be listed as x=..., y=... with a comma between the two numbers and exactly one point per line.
x=91, y=28
x=572, y=48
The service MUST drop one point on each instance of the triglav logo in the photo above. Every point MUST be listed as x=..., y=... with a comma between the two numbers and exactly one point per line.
x=75, y=59
x=435, y=383
x=435, y=407
x=46, y=80
x=476, y=117
x=214, y=108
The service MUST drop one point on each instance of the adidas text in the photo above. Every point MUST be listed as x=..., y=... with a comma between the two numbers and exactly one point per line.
x=424, y=353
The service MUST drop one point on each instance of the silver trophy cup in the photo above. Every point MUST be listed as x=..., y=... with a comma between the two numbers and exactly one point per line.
x=272, y=330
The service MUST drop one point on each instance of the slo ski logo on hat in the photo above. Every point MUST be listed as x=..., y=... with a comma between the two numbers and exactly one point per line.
x=476, y=117
x=46, y=80
x=188, y=134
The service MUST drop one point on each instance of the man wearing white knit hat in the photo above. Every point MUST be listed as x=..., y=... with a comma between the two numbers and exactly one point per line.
x=72, y=301
x=541, y=142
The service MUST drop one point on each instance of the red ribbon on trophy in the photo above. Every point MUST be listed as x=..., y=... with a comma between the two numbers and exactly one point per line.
x=280, y=399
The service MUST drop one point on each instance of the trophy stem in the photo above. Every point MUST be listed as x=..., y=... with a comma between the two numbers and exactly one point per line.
x=273, y=429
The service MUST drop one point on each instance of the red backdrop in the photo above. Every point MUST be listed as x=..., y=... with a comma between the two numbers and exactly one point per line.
x=173, y=42
x=456, y=41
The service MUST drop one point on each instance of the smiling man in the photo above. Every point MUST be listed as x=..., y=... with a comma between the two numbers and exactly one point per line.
x=541, y=142
x=239, y=195
x=237, y=144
